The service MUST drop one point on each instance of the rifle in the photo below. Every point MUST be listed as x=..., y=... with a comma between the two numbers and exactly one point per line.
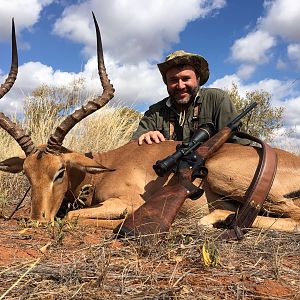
x=158, y=213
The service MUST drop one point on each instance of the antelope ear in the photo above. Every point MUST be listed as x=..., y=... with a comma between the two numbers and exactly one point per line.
x=12, y=165
x=85, y=164
x=97, y=169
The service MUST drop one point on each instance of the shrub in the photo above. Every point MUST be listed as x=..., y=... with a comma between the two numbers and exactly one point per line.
x=264, y=120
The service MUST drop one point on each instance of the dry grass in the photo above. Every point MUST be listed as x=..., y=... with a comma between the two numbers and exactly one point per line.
x=107, y=129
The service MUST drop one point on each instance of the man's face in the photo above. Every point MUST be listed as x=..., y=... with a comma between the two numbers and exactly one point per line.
x=182, y=83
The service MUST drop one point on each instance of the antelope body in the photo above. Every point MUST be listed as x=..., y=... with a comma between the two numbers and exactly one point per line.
x=58, y=175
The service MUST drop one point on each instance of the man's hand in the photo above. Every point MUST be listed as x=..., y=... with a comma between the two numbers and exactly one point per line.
x=151, y=136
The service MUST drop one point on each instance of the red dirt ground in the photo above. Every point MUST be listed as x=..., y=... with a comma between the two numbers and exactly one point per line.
x=133, y=270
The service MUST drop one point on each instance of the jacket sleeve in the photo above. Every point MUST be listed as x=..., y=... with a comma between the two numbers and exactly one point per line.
x=147, y=123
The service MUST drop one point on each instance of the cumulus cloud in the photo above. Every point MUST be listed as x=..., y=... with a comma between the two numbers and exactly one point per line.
x=245, y=71
x=281, y=64
x=281, y=91
x=253, y=48
x=292, y=108
x=227, y=81
x=39, y=74
x=127, y=80
x=26, y=14
x=137, y=29
x=288, y=139
x=293, y=51
x=282, y=18
x=278, y=26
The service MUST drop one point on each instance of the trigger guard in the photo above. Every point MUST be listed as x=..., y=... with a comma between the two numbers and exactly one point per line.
x=197, y=194
x=199, y=173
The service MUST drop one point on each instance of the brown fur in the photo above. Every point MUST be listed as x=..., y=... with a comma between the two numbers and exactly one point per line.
x=130, y=180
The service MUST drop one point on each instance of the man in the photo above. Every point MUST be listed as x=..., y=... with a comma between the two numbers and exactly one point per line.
x=188, y=106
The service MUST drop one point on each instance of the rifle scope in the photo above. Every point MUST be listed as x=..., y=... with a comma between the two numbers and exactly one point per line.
x=163, y=166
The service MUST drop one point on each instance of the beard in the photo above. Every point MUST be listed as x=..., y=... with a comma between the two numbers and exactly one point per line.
x=176, y=95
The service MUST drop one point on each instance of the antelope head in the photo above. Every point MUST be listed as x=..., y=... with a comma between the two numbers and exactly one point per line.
x=49, y=167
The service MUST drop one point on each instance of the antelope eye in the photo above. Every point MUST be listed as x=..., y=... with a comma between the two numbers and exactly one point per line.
x=59, y=175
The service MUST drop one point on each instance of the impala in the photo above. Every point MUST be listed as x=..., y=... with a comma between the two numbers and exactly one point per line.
x=122, y=179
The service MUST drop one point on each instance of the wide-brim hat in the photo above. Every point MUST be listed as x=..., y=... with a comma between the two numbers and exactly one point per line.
x=181, y=57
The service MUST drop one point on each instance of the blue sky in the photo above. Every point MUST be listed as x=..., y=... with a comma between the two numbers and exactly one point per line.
x=253, y=43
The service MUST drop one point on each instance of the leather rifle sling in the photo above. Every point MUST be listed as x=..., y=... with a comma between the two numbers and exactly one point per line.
x=172, y=119
x=195, y=119
x=256, y=193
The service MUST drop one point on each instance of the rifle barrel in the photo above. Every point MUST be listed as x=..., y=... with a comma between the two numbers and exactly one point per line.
x=241, y=115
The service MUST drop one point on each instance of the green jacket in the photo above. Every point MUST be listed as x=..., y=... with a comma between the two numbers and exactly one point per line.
x=215, y=107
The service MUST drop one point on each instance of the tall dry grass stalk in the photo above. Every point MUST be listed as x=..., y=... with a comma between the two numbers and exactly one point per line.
x=11, y=185
x=109, y=128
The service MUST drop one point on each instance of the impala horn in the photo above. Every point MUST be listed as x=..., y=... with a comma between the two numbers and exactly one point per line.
x=12, y=128
x=56, y=139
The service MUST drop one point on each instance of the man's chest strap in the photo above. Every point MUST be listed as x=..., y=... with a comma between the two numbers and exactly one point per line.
x=195, y=121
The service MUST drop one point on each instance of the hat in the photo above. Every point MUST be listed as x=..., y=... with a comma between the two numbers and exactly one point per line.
x=181, y=57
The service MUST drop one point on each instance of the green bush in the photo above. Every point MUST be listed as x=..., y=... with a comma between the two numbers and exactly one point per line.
x=264, y=120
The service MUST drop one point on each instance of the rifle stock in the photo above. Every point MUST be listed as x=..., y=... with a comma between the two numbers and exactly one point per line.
x=158, y=213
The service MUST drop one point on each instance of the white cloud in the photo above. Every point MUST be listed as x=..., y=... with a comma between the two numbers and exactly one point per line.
x=226, y=82
x=282, y=18
x=137, y=29
x=40, y=74
x=253, y=48
x=281, y=64
x=245, y=71
x=292, y=112
x=280, y=90
x=134, y=83
x=294, y=54
x=26, y=14
x=288, y=139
